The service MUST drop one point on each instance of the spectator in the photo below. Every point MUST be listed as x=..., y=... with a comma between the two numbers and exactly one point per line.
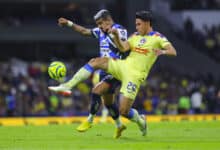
x=163, y=93
x=184, y=105
x=196, y=101
x=10, y=103
x=217, y=106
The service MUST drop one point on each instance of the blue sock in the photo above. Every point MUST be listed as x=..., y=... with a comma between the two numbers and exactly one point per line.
x=134, y=116
x=113, y=110
x=96, y=103
x=131, y=114
x=89, y=68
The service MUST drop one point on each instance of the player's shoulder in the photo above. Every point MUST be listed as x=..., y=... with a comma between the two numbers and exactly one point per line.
x=96, y=32
x=156, y=34
x=118, y=26
x=96, y=29
x=133, y=35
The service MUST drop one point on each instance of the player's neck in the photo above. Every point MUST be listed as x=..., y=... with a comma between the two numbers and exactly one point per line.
x=147, y=31
x=112, y=23
x=150, y=29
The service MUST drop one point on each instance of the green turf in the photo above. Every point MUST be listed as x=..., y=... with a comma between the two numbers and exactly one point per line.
x=161, y=136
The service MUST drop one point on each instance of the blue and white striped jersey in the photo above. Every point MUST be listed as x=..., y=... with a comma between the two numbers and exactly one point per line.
x=106, y=44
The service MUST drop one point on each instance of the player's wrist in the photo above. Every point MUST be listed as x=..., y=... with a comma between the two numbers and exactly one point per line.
x=111, y=35
x=163, y=52
x=69, y=23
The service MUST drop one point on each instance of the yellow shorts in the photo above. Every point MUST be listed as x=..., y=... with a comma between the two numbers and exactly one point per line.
x=130, y=78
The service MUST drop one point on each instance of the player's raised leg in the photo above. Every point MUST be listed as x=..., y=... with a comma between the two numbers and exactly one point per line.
x=81, y=75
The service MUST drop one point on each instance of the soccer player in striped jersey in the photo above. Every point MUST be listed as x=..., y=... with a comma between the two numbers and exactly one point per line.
x=106, y=87
x=145, y=45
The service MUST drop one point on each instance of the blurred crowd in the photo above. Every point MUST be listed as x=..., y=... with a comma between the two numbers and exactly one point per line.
x=206, y=41
x=23, y=92
x=195, y=4
x=21, y=14
x=169, y=92
x=43, y=13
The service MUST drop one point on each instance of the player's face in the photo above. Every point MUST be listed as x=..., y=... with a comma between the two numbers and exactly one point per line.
x=104, y=25
x=141, y=26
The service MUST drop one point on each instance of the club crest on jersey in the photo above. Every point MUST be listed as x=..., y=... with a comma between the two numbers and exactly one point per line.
x=122, y=32
x=142, y=41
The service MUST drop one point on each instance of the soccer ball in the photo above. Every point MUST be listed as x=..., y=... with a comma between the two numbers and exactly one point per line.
x=57, y=70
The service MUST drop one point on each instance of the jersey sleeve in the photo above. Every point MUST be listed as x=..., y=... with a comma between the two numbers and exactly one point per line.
x=131, y=41
x=95, y=32
x=122, y=34
x=163, y=41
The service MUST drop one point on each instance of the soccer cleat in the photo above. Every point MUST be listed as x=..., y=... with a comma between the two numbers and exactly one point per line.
x=143, y=127
x=84, y=126
x=118, y=131
x=61, y=89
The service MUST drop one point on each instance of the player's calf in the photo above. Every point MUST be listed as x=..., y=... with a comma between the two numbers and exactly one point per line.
x=134, y=116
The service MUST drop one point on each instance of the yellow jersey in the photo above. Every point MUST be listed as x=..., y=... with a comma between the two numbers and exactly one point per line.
x=142, y=56
x=133, y=70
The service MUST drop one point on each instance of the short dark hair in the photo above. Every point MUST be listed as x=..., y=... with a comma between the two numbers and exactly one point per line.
x=102, y=14
x=145, y=16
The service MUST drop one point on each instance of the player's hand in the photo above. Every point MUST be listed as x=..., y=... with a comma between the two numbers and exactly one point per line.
x=62, y=21
x=159, y=52
x=113, y=33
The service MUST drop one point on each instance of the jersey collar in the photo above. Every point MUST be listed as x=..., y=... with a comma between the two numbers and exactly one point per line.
x=151, y=33
x=113, y=24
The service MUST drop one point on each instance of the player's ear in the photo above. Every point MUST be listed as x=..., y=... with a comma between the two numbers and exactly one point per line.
x=109, y=19
x=147, y=23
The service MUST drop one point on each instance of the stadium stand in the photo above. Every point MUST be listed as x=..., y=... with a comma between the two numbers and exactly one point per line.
x=187, y=84
x=24, y=92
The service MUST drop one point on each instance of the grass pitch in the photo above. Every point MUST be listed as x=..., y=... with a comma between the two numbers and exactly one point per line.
x=161, y=136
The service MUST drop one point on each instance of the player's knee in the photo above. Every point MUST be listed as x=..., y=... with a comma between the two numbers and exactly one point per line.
x=96, y=91
x=95, y=62
x=92, y=61
x=100, y=88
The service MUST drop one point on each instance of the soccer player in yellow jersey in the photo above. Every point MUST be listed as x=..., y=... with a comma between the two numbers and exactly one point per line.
x=145, y=45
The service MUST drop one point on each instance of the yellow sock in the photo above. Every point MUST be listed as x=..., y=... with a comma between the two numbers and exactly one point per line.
x=81, y=75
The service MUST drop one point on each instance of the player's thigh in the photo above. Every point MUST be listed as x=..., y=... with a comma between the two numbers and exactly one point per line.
x=101, y=88
x=109, y=94
x=125, y=105
x=115, y=68
x=112, y=82
x=130, y=87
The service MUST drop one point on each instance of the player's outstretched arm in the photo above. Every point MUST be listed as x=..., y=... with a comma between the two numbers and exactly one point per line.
x=80, y=29
x=168, y=50
x=123, y=46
